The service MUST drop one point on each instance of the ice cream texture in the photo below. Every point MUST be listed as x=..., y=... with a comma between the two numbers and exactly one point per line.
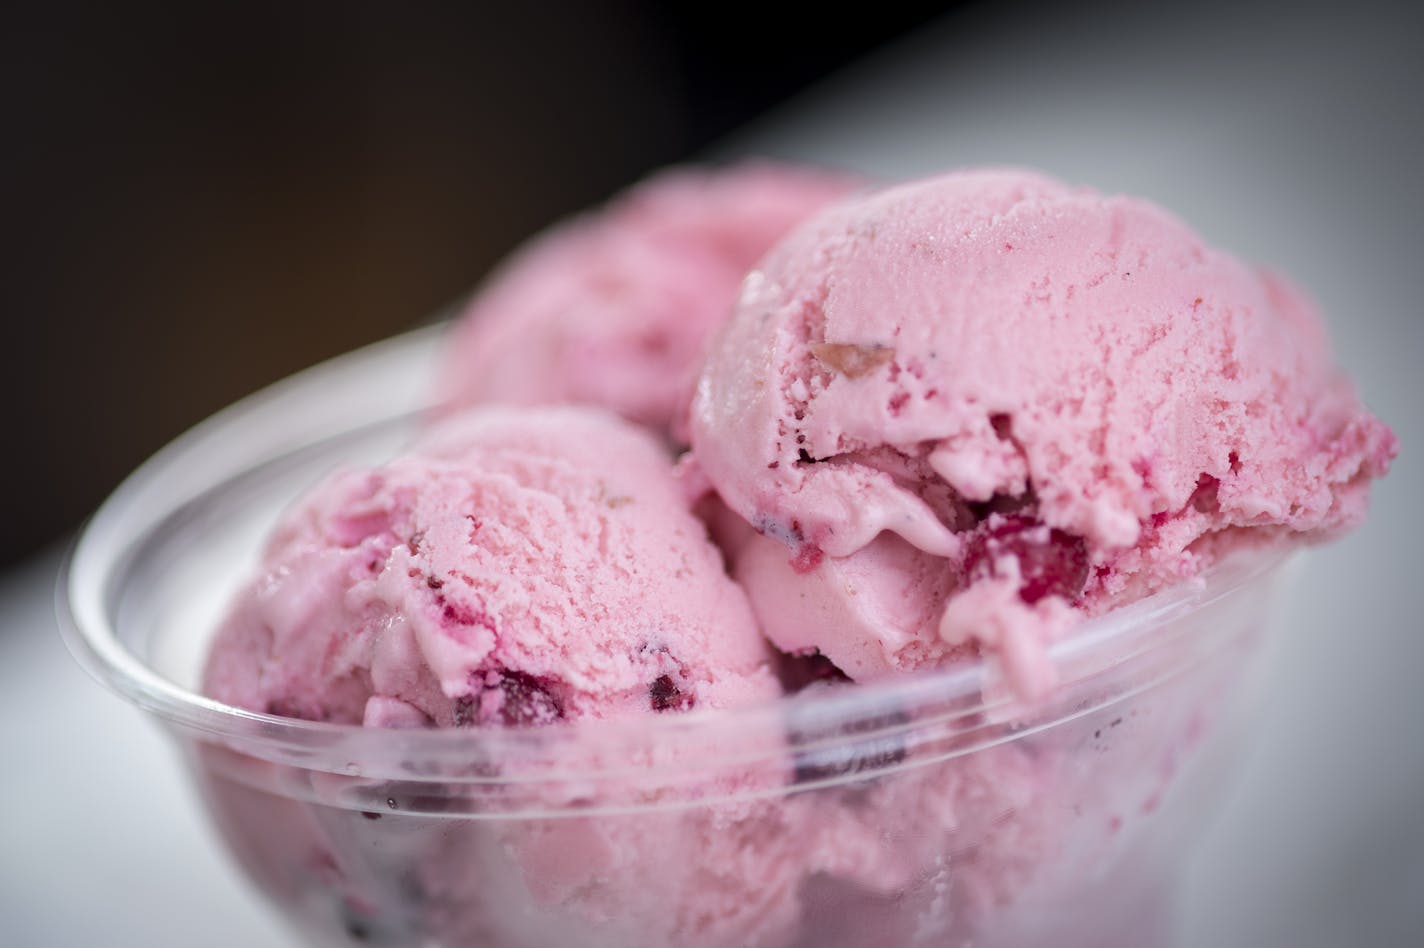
x=513, y=568
x=965, y=412
x=614, y=307
x=944, y=421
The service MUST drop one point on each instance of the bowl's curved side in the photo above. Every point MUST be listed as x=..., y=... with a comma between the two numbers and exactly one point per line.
x=149, y=576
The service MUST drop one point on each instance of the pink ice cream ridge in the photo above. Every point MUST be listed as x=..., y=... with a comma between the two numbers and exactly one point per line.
x=614, y=307
x=515, y=567
x=967, y=411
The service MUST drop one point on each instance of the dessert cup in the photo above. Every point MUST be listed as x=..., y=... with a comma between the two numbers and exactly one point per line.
x=934, y=809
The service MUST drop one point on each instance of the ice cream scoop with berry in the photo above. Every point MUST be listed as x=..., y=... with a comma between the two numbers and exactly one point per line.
x=948, y=421
x=516, y=568
x=966, y=412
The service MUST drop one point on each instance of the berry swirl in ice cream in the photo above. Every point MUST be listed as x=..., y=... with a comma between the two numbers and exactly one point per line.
x=514, y=568
x=966, y=411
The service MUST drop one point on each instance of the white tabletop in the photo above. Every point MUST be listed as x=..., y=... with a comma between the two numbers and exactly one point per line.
x=1296, y=143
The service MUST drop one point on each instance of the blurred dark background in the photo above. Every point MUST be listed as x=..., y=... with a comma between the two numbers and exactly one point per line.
x=201, y=199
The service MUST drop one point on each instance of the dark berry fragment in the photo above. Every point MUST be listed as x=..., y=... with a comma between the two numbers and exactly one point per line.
x=527, y=701
x=822, y=668
x=665, y=695
x=1003, y=504
x=456, y=613
x=509, y=698
x=1052, y=562
x=1203, y=498
x=807, y=558
x=801, y=671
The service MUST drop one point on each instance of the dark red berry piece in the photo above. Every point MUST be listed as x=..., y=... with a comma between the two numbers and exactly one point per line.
x=457, y=613
x=821, y=668
x=1002, y=504
x=665, y=695
x=807, y=559
x=801, y=671
x=510, y=698
x=527, y=701
x=1051, y=561
x=1204, y=498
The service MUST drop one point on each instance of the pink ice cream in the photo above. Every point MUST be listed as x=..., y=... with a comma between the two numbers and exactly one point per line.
x=514, y=568
x=967, y=411
x=947, y=420
x=614, y=308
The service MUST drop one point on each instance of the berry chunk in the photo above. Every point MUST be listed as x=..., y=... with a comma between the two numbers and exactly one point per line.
x=509, y=698
x=665, y=695
x=1052, y=562
x=526, y=701
x=802, y=671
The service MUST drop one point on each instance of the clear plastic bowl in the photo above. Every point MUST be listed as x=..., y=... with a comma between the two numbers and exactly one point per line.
x=932, y=810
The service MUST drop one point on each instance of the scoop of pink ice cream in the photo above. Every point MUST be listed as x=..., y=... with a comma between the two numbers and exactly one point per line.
x=968, y=409
x=516, y=567
x=614, y=308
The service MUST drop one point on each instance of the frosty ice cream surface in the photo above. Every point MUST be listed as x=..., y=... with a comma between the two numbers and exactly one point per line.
x=934, y=423
x=967, y=411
